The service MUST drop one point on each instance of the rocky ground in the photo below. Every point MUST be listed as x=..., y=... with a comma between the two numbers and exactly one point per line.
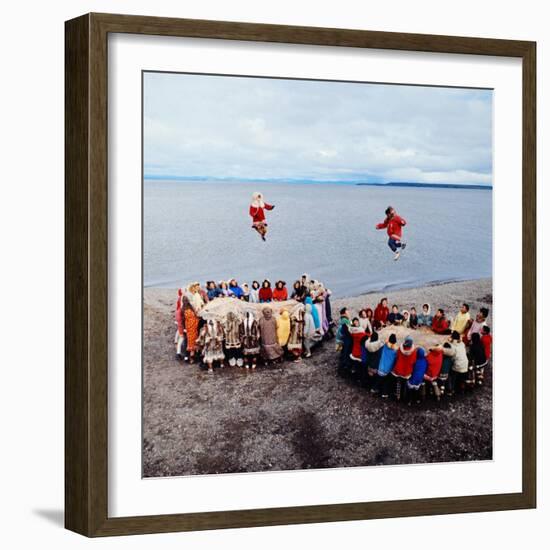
x=299, y=415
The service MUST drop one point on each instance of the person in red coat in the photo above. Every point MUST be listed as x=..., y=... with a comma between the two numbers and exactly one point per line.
x=265, y=294
x=435, y=362
x=440, y=324
x=394, y=225
x=257, y=207
x=406, y=357
x=358, y=336
x=280, y=292
x=487, y=341
x=381, y=313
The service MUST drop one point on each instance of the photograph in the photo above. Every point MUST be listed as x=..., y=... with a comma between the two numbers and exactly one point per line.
x=317, y=274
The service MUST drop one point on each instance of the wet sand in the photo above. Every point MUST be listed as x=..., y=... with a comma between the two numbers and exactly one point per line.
x=300, y=415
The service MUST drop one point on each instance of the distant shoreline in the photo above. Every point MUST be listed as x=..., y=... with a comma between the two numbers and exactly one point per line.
x=430, y=185
x=357, y=182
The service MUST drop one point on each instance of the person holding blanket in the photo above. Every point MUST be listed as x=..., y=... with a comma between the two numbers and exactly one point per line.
x=265, y=294
x=433, y=369
x=373, y=351
x=477, y=324
x=210, y=341
x=314, y=313
x=440, y=324
x=283, y=328
x=388, y=357
x=394, y=225
x=459, y=369
x=381, y=313
x=444, y=378
x=311, y=336
x=413, y=318
x=191, y=307
x=425, y=318
x=394, y=317
x=364, y=321
x=461, y=322
x=233, y=336
x=271, y=349
x=406, y=357
x=251, y=340
x=254, y=295
x=415, y=384
x=280, y=292
x=257, y=207
x=479, y=361
x=344, y=320
x=296, y=337
x=358, y=336
x=487, y=340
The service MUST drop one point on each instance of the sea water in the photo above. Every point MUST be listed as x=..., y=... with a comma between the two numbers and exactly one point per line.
x=201, y=231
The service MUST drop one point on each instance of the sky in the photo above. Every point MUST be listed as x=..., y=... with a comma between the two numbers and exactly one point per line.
x=258, y=128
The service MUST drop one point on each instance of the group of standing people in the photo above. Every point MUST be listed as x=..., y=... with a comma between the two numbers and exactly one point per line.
x=246, y=335
x=407, y=371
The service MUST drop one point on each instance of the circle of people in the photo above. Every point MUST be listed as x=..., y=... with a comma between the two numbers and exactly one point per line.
x=246, y=339
x=385, y=367
x=407, y=371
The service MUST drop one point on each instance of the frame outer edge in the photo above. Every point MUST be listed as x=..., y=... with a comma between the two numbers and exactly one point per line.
x=529, y=274
x=77, y=459
x=98, y=274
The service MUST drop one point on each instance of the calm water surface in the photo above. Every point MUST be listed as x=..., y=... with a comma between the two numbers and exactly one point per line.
x=201, y=231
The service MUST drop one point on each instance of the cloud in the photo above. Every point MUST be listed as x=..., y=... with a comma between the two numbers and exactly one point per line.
x=216, y=126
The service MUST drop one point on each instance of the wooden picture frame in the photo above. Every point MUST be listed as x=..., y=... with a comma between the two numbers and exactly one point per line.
x=86, y=280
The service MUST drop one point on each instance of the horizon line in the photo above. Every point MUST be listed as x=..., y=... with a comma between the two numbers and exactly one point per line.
x=354, y=181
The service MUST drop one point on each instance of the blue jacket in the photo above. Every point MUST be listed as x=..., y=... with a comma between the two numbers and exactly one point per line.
x=419, y=369
x=213, y=293
x=236, y=290
x=339, y=333
x=314, y=312
x=387, y=360
x=425, y=320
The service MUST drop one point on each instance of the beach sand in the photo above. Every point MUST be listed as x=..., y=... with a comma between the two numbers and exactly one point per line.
x=300, y=415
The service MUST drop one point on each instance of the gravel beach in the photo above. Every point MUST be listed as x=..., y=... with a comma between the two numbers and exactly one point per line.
x=300, y=415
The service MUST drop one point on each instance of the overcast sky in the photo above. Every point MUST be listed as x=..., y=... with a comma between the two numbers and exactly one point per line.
x=217, y=126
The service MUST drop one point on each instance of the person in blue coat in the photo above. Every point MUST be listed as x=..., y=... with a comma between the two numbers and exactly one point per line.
x=416, y=382
x=314, y=312
x=388, y=357
x=235, y=289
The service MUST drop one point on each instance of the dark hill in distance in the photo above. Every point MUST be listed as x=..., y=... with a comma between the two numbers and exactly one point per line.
x=430, y=185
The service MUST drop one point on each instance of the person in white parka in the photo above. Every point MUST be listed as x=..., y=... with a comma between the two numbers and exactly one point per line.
x=459, y=369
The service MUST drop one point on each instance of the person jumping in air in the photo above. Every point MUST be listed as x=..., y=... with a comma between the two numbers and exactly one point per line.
x=394, y=225
x=257, y=207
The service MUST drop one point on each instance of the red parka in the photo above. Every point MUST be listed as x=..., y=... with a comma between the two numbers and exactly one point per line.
x=394, y=226
x=356, y=338
x=487, y=342
x=257, y=212
x=265, y=294
x=435, y=361
x=280, y=294
x=381, y=313
x=405, y=362
x=440, y=324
